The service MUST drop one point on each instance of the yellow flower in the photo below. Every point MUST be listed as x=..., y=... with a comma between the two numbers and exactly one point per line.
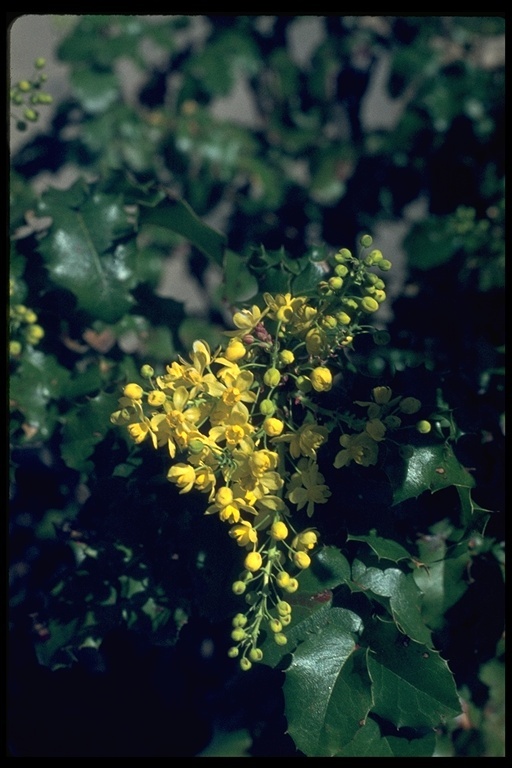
x=205, y=479
x=305, y=540
x=358, y=448
x=262, y=461
x=316, y=341
x=237, y=390
x=376, y=429
x=228, y=506
x=305, y=441
x=245, y=320
x=307, y=487
x=321, y=379
x=244, y=533
x=139, y=431
x=183, y=475
x=283, y=306
x=235, y=427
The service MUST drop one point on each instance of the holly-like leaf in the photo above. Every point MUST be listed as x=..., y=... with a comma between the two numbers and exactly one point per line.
x=37, y=384
x=442, y=584
x=175, y=214
x=431, y=467
x=386, y=549
x=412, y=685
x=83, y=252
x=327, y=689
x=368, y=742
x=84, y=428
x=405, y=598
x=96, y=90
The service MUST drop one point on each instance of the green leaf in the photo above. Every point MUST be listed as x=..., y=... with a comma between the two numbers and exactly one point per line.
x=412, y=685
x=386, y=549
x=431, y=467
x=178, y=216
x=327, y=690
x=405, y=598
x=428, y=244
x=96, y=90
x=239, y=284
x=442, y=584
x=329, y=568
x=38, y=381
x=84, y=428
x=368, y=742
x=83, y=253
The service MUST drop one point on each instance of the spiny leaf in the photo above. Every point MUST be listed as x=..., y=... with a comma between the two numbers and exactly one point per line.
x=175, y=214
x=412, y=685
x=368, y=742
x=386, y=549
x=405, y=598
x=84, y=428
x=431, y=467
x=327, y=689
x=83, y=252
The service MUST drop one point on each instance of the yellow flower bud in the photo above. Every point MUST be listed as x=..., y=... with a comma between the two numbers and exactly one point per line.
x=343, y=255
x=256, y=654
x=301, y=560
x=224, y=496
x=273, y=427
x=283, y=579
x=423, y=427
x=235, y=350
x=156, y=397
x=238, y=587
x=303, y=384
x=292, y=586
x=369, y=304
x=279, y=531
x=343, y=318
x=283, y=608
x=410, y=405
x=335, y=283
x=366, y=241
x=275, y=625
x=286, y=356
x=321, y=379
x=382, y=395
x=280, y=639
x=253, y=561
x=245, y=664
x=272, y=377
x=133, y=391
x=267, y=407
x=147, y=371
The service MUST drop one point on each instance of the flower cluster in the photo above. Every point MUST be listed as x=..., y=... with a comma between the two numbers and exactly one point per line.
x=23, y=327
x=236, y=424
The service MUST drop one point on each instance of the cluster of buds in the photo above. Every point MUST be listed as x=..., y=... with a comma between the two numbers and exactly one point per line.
x=23, y=328
x=241, y=426
x=26, y=96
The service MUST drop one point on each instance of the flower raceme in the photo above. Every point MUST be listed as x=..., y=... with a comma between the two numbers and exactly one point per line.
x=241, y=425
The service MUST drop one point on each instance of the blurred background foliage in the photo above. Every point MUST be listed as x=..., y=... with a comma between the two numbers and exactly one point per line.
x=292, y=135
